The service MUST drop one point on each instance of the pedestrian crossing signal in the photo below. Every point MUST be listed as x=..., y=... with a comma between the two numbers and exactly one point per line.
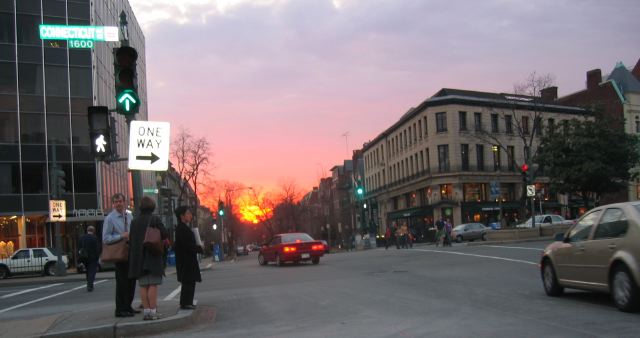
x=99, y=131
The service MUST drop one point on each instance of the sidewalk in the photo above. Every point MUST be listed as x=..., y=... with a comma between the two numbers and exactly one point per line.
x=100, y=321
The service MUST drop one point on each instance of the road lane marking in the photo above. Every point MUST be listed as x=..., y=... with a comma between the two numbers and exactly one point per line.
x=29, y=290
x=173, y=293
x=480, y=256
x=48, y=297
x=513, y=247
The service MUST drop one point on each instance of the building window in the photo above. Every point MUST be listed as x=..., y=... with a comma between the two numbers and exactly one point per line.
x=477, y=117
x=508, y=124
x=525, y=125
x=494, y=123
x=511, y=158
x=446, y=192
x=443, y=158
x=441, y=122
x=462, y=119
x=426, y=131
x=537, y=125
x=480, y=157
x=496, y=158
x=473, y=192
x=420, y=128
x=464, y=153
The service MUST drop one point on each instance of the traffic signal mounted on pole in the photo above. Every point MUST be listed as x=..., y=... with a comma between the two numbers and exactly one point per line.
x=221, y=208
x=58, y=182
x=100, y=132
x=525, y=172
x=127, y=101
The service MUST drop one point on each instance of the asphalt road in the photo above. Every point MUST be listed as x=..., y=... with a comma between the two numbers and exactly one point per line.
x=463, y=291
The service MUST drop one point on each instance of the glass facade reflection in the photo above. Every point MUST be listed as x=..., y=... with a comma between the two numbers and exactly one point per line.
x=45, y=89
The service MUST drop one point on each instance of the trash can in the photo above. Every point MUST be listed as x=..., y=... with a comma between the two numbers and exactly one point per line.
x=171, y=258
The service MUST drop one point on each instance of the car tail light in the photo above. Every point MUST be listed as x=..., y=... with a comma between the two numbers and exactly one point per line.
x=290, y=249
x=317, y=247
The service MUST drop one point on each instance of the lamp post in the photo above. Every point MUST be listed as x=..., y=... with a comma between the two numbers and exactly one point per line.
x=497, y=169
x=231, y=243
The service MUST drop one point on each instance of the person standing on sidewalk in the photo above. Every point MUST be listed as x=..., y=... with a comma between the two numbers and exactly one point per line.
x=116, y=228
x=89, y=255
x=186, y=249
x=387, y=237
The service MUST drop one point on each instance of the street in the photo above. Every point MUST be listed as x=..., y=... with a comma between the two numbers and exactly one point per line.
x=461, y=291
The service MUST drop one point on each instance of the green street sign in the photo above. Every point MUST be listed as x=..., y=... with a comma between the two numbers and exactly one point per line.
x=127, y=102
x=64, y=32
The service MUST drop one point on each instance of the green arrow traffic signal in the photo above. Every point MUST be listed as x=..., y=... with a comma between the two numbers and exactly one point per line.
x=128, y=101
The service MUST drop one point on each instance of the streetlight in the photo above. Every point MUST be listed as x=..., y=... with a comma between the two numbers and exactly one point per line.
x=496, y=165
x=222, y=212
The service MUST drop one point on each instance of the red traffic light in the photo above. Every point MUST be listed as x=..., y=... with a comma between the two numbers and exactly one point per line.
x=525, y=167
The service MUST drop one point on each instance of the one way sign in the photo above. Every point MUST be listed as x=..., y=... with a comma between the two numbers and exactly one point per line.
x=149, y=145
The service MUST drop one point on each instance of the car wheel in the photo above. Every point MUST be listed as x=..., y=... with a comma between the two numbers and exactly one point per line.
x=458, y=239
x=315, y=260
x=550, y=281
x=4, y=272
x=50, y=269
x=261, y=260
x=624, y=290
x=484, y=236
x=278, y=261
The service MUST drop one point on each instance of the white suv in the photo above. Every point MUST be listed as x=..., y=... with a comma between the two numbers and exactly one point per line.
x=31, y=260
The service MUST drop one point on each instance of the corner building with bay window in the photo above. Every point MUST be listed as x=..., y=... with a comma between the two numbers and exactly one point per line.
x=45, y=90
x=439, y=160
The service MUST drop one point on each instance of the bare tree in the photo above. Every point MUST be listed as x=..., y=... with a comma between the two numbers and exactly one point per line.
x=180, y=153
x=524, y=114
x=192, y=159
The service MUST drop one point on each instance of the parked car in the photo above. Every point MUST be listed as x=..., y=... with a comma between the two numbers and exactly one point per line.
x=546, y=220
x=600, y=252
x=469, y=232
x=242, y=250
x=291, y=247
x=31, y=260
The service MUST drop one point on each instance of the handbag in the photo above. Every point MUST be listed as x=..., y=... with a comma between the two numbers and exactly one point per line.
x=115, y=252
x=153, y=240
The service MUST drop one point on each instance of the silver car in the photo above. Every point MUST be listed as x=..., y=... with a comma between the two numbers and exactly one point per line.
x=469, y=232
x=600, y=252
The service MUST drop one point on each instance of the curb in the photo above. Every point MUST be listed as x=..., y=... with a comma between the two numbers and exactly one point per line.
x=539, y=239
x=180, y=320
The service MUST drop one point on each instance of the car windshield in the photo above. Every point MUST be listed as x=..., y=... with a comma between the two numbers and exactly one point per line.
x=291, y=238
x=459, y=227
x=637, y=206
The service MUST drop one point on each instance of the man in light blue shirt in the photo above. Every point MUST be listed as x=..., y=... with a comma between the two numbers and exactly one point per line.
x=116, y=228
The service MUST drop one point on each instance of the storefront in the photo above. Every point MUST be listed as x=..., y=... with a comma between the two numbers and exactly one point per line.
x=489, y=212
x=418, y=219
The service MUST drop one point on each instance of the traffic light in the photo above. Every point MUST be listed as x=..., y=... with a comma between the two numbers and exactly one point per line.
x=58, y=181
x=525, y=172
x=221, y=208
x=100, y=132
x=127, y=101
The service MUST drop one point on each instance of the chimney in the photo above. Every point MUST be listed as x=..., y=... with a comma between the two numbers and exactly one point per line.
x=636, y=70
x=594, y=77
x=549, y=94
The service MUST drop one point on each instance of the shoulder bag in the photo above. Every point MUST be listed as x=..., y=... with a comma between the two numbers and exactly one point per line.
x=153, y=240
x=115, y=252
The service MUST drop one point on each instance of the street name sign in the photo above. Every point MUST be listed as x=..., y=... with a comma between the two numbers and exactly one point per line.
x=90, y=33
x=149, y=145
x=531, y=190
x=57, y=211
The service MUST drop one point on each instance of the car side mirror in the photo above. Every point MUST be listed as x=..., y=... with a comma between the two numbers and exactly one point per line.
x=559, y=237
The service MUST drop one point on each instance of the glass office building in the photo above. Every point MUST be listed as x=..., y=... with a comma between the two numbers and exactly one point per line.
x=45, y=89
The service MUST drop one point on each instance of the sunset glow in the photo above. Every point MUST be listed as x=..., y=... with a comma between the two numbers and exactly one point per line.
x=251, y=208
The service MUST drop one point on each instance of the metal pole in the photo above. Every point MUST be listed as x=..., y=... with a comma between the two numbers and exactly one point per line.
x=136, y=176
x=61, y=268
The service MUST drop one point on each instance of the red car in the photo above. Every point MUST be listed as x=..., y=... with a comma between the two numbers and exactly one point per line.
x=291, y=247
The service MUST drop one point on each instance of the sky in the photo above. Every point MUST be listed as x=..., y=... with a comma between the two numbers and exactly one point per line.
x=275, y=85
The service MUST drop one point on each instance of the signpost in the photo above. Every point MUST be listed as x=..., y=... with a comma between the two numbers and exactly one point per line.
x=531, y=190
x=149, y=145
x=57, y=211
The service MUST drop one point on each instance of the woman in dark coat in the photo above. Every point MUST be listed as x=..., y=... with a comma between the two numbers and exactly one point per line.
x=186, y=249
x=144, y=265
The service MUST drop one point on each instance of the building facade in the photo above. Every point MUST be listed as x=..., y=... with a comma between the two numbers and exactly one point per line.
x=45, y=90
x=617, y=98
x=458, y=156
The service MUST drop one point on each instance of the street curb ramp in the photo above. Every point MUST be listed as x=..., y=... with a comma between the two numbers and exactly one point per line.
x=182, y=319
